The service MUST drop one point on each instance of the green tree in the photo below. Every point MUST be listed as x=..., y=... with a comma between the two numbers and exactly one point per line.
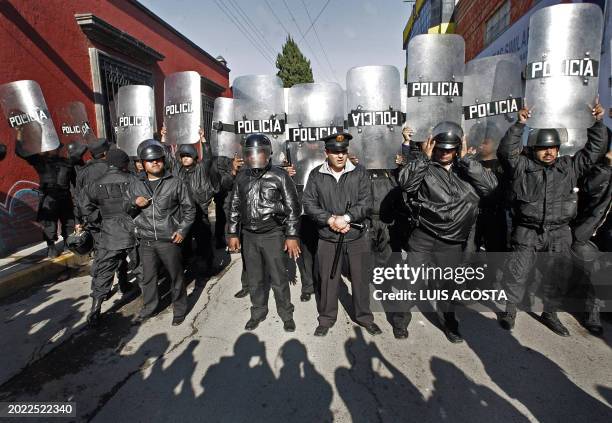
x=293, y=67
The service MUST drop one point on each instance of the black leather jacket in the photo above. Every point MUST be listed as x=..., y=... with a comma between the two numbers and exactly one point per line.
x=264, y=200
x=171, y=210
x=445, y=202
x=546, y=197
x=202, y=180
x=103, y=204
x=594, y=204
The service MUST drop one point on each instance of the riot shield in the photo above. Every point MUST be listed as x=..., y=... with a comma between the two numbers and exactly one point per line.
x=492, y=96
x=182, y=107
x=314, y=111
x=135, y=117
x=435, y=64
x=404, y=97
x=374, y=114
x=562, y=73
x=223, y=139
x=74, y=124
x=259, y=107
x=24, y=107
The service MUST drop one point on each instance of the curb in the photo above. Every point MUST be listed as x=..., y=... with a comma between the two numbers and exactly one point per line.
x=39, y=273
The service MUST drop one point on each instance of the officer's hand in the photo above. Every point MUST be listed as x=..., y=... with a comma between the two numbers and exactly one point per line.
x=162, y=132
x=233, y=244
x=353, y=158
x=177, y=238
x=407, y=133
x=142, y=202
x=237, y=163
x=201, y=134
x=78, y=228
x=524, y=114
x=341, y=224
x=598, y=110
x=400, y=160
x=292, y=247
x=331, y=222
x=609, y=158
x=429, y=146
x=289, y=168
x=19, y=133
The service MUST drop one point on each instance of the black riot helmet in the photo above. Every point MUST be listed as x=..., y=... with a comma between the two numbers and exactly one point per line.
x=151, y=150
x=76, y=150
x=188, y=150
x=254, y=145
x=447, y=135
x=80, y=243
x=544, y=138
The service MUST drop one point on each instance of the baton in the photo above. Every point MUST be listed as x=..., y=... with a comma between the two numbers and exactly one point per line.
x=288, y=153
x=338, y=248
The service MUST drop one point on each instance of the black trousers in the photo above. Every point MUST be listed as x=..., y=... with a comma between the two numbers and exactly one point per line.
x=523, y=261
x=306, y=260
x=54, y=207
x=201, y=233
x=491, y=230
x=220, y=218
x=357, y=255
x=153, y=255
x=425, y=248
x=107, y=263
x=264, y=257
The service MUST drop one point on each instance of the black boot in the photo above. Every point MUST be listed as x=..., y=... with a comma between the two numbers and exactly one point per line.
x=552, y=322
x=94, y=314
x=507, y=318
x=52, y=250
x=592, y=323
x=450, y=327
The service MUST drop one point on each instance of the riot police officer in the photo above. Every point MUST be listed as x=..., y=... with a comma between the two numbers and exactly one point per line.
x=443, y=187
x=544, y=202
x=202, y=181
x=163, y=213
x=116, y=241
x=264, y=203
x=56, y=174
x=337, y=194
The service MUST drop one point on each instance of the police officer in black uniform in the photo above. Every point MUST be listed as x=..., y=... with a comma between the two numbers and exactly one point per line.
x=544, y=202
x=264, y=203
x=163, y=213
x=55, y=174
x=443, y=187
x=203, y=182
x=117, y=240
x=330, y=188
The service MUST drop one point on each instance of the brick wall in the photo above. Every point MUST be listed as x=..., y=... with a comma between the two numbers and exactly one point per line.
x=471, y=17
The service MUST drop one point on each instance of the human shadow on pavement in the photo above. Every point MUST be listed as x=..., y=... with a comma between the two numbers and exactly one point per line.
x=374, y=389
x=528, y=376
x=243, y=388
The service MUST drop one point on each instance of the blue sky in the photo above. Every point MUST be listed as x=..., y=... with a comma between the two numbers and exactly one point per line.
x=353, y=32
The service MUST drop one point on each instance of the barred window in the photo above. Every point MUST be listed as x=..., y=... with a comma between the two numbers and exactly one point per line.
x=498, y=23
x=208, y=104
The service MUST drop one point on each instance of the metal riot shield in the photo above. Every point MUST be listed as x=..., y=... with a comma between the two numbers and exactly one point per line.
x=404, y=98
x=435, y=64
x=314, y=111
x=492, y=96
x=223, y=139
x=374, y=114
x=182, y=107
x=24, y=107
x=135, y=117
x=74, y=124
x=562, y=70
x=576, y=139
x=259, y=107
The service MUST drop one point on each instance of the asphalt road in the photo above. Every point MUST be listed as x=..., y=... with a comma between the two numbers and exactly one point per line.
x=208, y=369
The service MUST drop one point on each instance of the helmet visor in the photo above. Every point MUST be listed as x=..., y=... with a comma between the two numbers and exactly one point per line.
x=256, y=157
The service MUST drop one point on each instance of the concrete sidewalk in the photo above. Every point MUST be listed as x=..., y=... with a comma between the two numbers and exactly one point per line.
x=30, y=267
